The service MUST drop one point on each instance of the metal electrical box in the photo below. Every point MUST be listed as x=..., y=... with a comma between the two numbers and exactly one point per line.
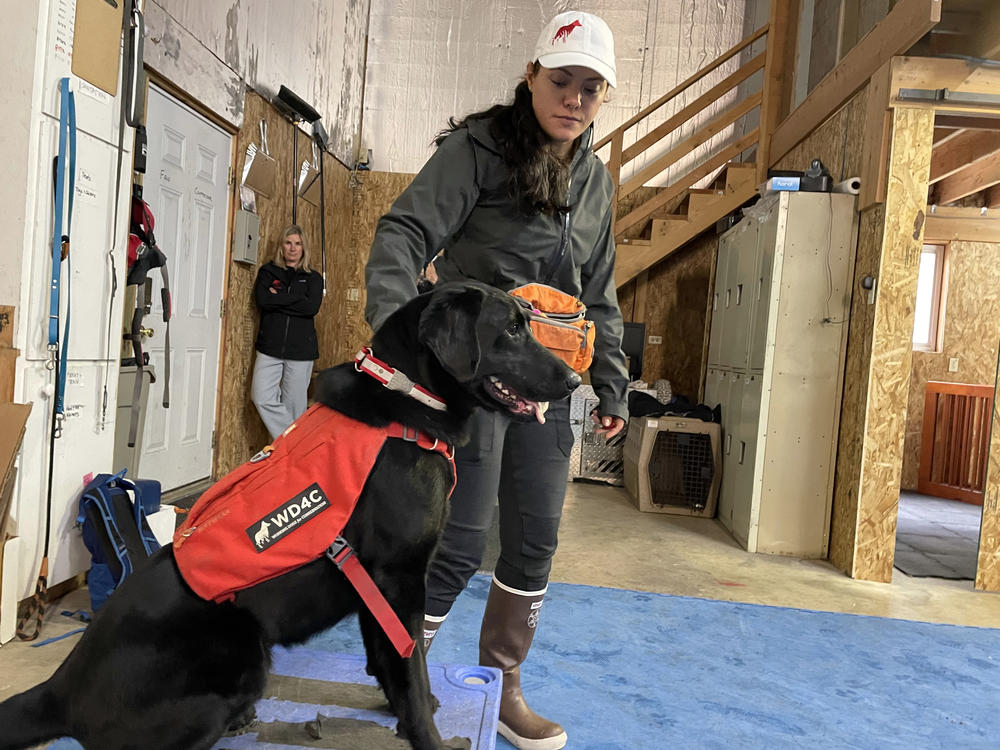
x=246, y=234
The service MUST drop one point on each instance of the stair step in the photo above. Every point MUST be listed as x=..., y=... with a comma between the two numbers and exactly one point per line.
x=672, y=235
x=702, y=200
x=741, y=176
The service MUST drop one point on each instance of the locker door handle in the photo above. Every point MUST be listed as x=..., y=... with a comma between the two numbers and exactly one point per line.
x=729, y=444
x=760, y=287
x=715, y=302
x=743, y=451
x=739, y=294
x=729, y=295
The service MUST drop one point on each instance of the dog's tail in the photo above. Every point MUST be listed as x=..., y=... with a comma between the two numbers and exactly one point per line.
x=30, y=718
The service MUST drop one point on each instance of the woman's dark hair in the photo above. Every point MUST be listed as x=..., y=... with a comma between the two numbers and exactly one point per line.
x=539, y=179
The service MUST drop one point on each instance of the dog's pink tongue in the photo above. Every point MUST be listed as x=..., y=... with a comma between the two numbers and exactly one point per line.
x=540, y=409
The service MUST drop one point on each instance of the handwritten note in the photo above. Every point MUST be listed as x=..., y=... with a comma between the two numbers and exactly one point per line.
x=62, y=38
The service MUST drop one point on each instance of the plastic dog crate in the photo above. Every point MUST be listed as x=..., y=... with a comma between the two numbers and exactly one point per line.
x=673, y=465
x=469, y=697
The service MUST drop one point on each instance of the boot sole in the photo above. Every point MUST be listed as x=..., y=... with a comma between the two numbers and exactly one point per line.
x=556, y=742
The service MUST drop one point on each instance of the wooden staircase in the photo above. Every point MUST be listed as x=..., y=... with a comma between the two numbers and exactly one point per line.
x=700, y=210
x=650, y=230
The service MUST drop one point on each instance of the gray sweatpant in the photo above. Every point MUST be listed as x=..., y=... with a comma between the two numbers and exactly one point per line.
x=279, y=390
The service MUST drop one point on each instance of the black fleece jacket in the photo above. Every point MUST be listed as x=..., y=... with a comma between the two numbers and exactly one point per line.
x=286, y=316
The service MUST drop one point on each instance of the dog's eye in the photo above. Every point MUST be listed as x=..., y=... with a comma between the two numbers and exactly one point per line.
x=513, y=327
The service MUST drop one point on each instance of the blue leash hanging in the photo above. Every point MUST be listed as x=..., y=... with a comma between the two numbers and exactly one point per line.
x=63, y=197
x=65, y=162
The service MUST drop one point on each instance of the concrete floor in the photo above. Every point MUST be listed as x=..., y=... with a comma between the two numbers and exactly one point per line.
x=605, y=541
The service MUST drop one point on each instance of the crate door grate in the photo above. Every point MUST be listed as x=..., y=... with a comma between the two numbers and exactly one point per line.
x=599, y=459
x=681, y=469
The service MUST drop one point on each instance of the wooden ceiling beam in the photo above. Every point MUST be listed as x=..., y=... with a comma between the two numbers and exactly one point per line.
x=943, y=135
x=983, y=174
x=948, y=224
x=963, y=151
x=993, y=197
x=966, y=122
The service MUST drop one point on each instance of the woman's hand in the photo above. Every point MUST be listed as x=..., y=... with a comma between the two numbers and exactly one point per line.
x=608, y=426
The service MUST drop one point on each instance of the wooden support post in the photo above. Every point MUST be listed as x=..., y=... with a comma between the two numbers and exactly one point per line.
x=988, y=565
x=869, y=460
x=779, y=76
x=875, y=149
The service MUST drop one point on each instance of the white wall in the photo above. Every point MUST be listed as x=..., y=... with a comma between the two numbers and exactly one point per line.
x=314, y=47
x=18, y=36
x=429, y=60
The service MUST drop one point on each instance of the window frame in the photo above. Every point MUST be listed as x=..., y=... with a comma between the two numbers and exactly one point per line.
x=934, y=344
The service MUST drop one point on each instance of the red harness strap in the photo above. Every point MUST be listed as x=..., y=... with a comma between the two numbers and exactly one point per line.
x=342, y=554
x=343, y=557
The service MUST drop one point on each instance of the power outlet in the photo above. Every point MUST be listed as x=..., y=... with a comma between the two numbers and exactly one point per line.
x=953, y=364
x=653, y=340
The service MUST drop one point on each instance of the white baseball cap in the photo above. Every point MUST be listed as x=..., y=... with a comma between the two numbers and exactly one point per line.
x=576, y=38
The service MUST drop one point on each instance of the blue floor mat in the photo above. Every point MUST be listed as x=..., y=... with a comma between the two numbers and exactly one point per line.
x=627, y=670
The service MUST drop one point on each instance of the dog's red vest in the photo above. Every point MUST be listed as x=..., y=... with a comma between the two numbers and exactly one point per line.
x=286, y=506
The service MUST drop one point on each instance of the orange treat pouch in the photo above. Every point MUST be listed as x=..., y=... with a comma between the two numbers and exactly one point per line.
x=559, y=323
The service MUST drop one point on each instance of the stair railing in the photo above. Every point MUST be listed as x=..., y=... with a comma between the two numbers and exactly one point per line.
x=621, y=156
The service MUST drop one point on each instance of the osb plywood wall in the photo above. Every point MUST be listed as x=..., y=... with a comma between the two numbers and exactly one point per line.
x=240, y=433
x=672, y=300
x=373, y=195
x=836, y=143
x=869, y=459
x=988, y=570
x=971, y=332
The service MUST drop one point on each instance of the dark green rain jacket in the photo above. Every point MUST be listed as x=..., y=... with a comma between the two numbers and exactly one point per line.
x=460, y=202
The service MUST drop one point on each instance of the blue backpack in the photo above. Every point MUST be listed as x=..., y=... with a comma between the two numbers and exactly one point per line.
x=112, y=515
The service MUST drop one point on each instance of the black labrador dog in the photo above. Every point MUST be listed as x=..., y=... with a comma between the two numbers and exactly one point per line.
x=160, y=668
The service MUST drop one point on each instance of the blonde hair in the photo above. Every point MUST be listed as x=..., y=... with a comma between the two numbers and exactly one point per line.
x=279, y=255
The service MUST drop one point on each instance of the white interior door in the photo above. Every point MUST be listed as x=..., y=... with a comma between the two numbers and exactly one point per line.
x=186, y=186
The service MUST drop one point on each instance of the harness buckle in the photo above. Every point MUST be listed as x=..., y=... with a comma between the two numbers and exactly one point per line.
x=58, y=429
x=339, y=551
x=410, y=434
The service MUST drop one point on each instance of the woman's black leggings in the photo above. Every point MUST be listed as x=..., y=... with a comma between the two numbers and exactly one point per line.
x=524, y=466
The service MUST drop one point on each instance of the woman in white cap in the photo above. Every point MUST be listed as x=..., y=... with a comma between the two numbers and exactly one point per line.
x=515, y=195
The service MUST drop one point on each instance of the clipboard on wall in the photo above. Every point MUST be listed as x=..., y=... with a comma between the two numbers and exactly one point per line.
x=97, y=42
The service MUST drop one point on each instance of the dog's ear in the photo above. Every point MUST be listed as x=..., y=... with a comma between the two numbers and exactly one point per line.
x=450, y=327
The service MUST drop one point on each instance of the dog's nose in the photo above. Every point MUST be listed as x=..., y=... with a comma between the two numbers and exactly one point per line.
x=573, y=381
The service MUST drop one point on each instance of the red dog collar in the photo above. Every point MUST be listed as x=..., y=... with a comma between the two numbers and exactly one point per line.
x=394, y=380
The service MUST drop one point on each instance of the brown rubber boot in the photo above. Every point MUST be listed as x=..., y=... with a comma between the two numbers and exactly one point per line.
x=431, y=625
x=508, y=628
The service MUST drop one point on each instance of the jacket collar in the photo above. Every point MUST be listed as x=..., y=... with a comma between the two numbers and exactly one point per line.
x=479, y=129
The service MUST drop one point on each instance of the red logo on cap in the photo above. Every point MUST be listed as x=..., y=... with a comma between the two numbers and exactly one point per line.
x=565, y=31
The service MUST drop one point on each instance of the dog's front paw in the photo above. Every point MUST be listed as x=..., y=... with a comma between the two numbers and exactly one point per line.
x=458, y=743
x=243, y=722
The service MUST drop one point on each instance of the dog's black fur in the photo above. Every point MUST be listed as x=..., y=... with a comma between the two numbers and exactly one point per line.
x=160, y=668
